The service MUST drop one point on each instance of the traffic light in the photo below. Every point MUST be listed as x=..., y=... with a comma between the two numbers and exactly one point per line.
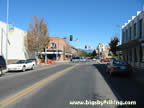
x=71, y=38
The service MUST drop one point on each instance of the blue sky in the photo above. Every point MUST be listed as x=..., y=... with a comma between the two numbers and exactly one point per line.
x=91, y=21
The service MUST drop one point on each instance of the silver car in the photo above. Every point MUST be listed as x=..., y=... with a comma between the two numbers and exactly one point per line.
x=118, y=67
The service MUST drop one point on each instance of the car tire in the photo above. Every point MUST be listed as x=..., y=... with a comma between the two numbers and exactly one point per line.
x=24, y=69
x=32, y=67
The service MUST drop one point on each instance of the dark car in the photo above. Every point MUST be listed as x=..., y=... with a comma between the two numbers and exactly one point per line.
x=75, y=59
x=3, y=66
x=118, y=67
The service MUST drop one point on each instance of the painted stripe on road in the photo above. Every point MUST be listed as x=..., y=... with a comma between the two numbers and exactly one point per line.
x=33, y=87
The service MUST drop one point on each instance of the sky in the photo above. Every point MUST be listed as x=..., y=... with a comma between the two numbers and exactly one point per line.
x=91, y=21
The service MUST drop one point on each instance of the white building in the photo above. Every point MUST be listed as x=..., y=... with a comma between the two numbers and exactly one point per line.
x=103, y=50
x=16, y=45
x=133, y=40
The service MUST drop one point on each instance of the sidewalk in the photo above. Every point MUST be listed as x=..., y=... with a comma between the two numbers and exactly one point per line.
x=45, y=65
x=138, y=75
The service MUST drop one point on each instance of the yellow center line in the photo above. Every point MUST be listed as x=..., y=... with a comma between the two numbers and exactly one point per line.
x=35, y=86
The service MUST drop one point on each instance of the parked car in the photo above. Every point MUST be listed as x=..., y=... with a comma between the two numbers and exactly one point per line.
x=118, y=67
x=21, y=65
x=3, y=66
x=105, y=60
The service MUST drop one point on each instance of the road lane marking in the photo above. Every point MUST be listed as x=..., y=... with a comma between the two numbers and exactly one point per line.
x=33, y=87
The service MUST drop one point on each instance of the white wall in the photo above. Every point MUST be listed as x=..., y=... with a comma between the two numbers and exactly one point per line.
x=16, y=48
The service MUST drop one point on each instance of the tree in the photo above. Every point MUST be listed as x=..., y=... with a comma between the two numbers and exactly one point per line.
x=93, y=54
x=83, y=53
x=113, y=45
x=37, y=35
x=71, y=38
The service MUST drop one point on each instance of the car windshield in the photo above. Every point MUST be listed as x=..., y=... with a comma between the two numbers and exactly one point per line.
x=20, y=62
x=76, y=58
x=2, y=61
x=119, y=62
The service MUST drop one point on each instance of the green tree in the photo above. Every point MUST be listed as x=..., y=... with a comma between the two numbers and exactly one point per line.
x=93, y=54
x=83, y=53
x=113, y=45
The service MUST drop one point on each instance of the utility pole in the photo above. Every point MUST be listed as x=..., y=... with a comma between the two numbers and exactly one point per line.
x=46, y=54
x=7, y=33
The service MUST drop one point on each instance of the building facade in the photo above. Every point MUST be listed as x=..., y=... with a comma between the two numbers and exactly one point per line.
x=58, y=49
x=16, y=43
x=132, y=46
x=103, y=51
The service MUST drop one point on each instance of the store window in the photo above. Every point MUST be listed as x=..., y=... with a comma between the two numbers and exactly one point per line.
x=53, y=45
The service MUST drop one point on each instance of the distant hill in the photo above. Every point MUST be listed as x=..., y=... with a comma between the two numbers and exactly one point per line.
x=88, y=51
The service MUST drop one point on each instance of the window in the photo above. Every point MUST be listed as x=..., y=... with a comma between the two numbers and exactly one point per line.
x=2, y=61
x=53, y=45
x=135, y=55
x=20, y=62
x=141, y=54
x=119, y=62
x=127, y=35
x=140, y=24
x=123, y=37
x=130, y=52
x=130, y=34
x=135, y=30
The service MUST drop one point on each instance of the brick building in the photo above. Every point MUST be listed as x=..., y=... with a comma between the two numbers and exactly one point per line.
x=58, y=49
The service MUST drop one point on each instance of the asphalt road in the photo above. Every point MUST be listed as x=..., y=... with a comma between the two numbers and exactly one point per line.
x=57, y=87
x=126, y=88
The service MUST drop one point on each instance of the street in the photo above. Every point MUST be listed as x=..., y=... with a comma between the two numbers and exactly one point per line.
x=59, y=85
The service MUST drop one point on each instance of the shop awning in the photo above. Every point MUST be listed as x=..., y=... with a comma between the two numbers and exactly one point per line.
x=52, y=52
x=68, y=54
x=129, y=44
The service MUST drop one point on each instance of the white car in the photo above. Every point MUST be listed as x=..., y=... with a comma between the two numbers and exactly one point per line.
x=21, y=65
